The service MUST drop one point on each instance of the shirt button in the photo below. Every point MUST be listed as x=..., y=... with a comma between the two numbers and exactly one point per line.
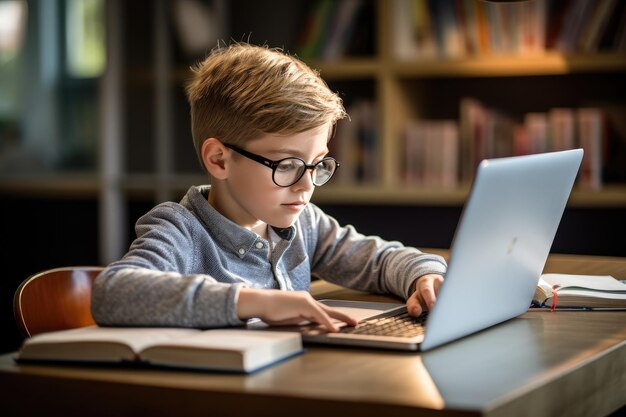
x=259, y=245
x=242, y=251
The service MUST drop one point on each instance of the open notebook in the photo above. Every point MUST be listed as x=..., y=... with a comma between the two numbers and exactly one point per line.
x=500, y=247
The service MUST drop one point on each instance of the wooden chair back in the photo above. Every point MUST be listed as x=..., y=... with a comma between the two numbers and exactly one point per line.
x=55, y=299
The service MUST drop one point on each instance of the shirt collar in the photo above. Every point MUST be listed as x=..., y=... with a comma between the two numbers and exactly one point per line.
x=224, y=231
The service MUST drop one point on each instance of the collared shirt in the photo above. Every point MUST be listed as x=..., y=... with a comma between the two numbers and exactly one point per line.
x=188, y=263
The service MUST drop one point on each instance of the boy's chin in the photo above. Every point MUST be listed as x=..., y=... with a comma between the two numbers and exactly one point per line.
x=284, y=223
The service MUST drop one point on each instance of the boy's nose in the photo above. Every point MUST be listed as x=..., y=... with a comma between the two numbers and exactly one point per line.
x=306, y=181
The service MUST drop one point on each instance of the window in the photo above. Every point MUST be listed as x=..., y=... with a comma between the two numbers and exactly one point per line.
x=12, y=27
x=52, y=53
x=84, y=38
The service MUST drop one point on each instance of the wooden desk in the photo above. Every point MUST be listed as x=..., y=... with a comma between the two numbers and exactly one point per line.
x=540, y=364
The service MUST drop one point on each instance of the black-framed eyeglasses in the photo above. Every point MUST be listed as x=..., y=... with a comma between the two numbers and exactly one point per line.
x=288, y=171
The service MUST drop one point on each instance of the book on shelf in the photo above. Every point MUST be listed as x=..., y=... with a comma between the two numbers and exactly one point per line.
x=591, y=35
x=444, y=153
x=447, y=31
x=531, y=24
x=341, y=30
x=431, y=153
x=558, y=12
x=575, y=18
x=536, y=125
x=315, y=29
x=580, y=291
x=591, y=128
x=562, y=128
x=367, y=166
x=412, y=32
x=355, y=144
x=229, y=350
x=473, y=115
x=491, y=133
x=426, y=29
x=484, y=133
x=330, y=30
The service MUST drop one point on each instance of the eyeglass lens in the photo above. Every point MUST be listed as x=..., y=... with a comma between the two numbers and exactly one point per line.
x=290, y=170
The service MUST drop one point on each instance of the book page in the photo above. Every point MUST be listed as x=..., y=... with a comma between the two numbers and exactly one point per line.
x=580, y=298
x=97, y=343
x=138, y=338
x=225, y=349
x=543, y=291
x=582, y=293
x=589, y=282
x=227, y=339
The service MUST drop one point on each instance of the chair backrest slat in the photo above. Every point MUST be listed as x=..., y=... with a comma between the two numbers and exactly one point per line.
x=55, y=299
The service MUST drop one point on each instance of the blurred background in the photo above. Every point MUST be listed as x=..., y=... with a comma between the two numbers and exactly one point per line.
x=94, y=124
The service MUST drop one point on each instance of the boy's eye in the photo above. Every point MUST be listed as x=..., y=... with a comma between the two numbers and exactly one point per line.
x=289, y=165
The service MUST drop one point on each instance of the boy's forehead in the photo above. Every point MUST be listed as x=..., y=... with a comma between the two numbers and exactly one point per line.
x=314, y=140
x=315, y=133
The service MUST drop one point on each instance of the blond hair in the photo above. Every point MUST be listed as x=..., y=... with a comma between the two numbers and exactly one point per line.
x=241, y=92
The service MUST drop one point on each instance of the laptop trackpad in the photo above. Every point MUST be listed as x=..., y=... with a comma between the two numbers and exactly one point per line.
x=362, y=310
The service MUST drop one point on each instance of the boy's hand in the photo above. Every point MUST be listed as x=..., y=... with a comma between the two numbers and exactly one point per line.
x=425, y=294
x=277, y=307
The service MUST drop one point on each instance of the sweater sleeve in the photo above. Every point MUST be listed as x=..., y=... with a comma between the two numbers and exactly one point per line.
x=368, y=263
x=152, y=285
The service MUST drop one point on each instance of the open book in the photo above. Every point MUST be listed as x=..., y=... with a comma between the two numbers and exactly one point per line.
x=237, y=350
x=580, y=291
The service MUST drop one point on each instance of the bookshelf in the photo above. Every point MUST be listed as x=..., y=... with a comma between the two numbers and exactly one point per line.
x=146, y=153
x=404, y=90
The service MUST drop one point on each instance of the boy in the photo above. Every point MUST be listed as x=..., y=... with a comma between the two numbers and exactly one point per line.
x=246, y=245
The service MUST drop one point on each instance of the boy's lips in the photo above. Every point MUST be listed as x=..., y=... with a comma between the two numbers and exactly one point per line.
x=296, y=204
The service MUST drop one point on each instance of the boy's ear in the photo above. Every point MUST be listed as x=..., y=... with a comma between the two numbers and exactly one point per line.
x=213, y=158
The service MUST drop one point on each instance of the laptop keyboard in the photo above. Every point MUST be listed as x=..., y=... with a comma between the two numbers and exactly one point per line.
x=402, y=325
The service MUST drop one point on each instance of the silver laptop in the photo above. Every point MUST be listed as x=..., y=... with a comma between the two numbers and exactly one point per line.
x=499, y=250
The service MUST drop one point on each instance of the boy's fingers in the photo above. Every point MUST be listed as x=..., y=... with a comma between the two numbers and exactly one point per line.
x=339, y=315
x=326, y=321
x=414, y=306
x=427, y=289
x=428, y=295
x=437, y=284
